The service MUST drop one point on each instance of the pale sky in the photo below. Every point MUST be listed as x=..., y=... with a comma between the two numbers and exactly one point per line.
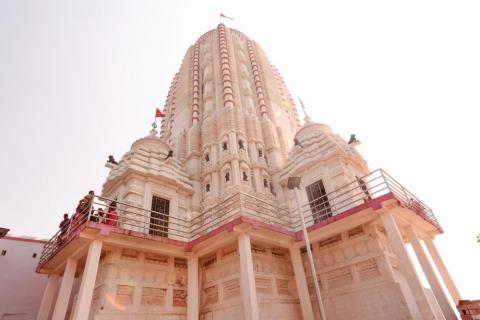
x=80, y=80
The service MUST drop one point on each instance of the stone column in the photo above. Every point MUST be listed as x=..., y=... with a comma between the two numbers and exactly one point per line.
x=278, y=189
x=258, y=181
x=385, y=267
x=193, y=294
x=48, y=295
x=215, y=183
x=193, y=166
x=431, y=276
x=252, y=148
x=407, y=267
x=147, y=204
x=85, y=293
x=215, y=162
x=236, y=175
x=442, y=269
x=247, y=278
x=65, y=290
x=301, y=282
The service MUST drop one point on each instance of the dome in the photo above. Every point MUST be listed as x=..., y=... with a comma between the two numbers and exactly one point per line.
x=311, y=128
x=152, y=143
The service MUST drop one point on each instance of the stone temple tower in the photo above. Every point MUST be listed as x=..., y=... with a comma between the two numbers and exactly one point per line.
x=198, y=221
x=230, y=119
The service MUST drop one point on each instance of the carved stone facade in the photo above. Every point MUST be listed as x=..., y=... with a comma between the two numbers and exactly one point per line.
x=231, y=114
x=132, y=284
x=355, y=264
x=274, y=281
x=208, y=200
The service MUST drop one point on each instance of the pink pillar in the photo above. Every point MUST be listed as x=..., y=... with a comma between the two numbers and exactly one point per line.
x=407, y=267
x=431, y=276
x=247, y=277
x=85, y=293
x=48, y=295
x=193, y=294
x=65, y=290
x=442, y=269
x=301, y=282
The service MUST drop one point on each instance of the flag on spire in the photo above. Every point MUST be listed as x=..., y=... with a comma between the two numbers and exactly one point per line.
x=226, y=17
x=159, y=114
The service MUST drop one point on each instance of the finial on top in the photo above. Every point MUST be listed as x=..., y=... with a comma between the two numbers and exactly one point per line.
x=158, y=114
x=306, y=118
x=154, y=132
x=225, y=17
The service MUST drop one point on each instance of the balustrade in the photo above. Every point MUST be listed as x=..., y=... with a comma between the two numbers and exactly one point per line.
x=150, y=224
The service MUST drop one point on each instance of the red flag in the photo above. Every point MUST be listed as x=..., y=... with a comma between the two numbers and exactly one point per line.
x=226, y=17
x=159, y=114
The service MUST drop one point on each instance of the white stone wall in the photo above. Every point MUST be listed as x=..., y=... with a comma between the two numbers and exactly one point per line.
x=274, y=280
x=137, y=285
x=231, y=124
x=21, y=287
x=359, y=278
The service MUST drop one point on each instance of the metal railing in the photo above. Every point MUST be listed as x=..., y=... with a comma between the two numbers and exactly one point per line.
x=360, y=191
x=63, y=236
x=134, y=220
x=235, y=206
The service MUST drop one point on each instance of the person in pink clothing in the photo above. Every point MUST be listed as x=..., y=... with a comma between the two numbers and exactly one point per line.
x=112, y=215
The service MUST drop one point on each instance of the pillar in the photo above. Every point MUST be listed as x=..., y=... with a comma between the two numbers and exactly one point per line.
x=407, y=267
x=442, y=269
x=431, y=276
x=258, y=181
x=236, y=175
x=215, y=183
x=193, y=294
x=143, y=217
x=215, y=160
x=385, y=267
x=252, y=148
x=193, y=166
x=279, y=190
x=65, y=290
x=87, y=285
x=257, y=177
x=247, y=277
x=48, y=295
x=301, y=282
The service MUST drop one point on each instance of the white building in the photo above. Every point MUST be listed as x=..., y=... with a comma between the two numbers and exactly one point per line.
x=206, y=226
x=21, y=288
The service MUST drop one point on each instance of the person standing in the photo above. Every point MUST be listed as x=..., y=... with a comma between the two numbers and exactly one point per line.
x=101, y=215
x=64, y=224
x=84, y=205
x=112, y=215
x=81, y=212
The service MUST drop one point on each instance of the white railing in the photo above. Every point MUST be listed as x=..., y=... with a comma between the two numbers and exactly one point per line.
x=235, y=206
x=151, y=224
x=360, y=191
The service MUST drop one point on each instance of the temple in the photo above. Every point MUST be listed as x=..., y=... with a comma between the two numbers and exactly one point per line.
x=199, y=221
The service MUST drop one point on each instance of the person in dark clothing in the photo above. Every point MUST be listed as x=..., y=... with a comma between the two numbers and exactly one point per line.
x=64, y=224
x=83, y=207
